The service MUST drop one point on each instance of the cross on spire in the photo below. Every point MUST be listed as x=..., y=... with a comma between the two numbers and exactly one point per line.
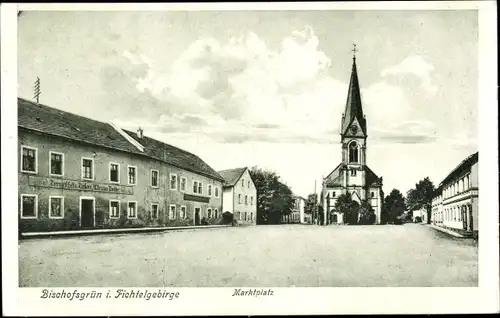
x=354, y=50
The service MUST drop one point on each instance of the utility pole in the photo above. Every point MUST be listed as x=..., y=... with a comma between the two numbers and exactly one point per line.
x=315, y=210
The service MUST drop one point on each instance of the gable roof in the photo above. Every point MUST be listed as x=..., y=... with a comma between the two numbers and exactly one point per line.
x=231, y=176
x=465, y=164
x=55, y=122
x=174, y=156
x=334, y=179
x=48, y=120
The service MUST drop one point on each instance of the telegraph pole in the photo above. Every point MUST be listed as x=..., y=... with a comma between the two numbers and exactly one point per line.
x=315, y=210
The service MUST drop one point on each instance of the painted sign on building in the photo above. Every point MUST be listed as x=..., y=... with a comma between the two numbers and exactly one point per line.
x=78, y=185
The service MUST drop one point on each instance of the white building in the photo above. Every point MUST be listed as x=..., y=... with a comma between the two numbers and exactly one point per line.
x=456, y=201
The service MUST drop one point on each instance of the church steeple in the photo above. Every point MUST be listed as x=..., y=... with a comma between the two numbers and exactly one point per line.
x=353, y=108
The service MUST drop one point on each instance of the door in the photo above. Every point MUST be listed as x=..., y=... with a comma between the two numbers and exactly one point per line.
x=87, y=213
x=196, y=216
x=463, y=211
x=471, y=219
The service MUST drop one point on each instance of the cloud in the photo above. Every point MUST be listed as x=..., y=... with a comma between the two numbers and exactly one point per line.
x=413, y=65
x=407, y=132
x=244, y=83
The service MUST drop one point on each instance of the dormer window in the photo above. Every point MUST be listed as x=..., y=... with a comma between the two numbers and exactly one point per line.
x=353, y=152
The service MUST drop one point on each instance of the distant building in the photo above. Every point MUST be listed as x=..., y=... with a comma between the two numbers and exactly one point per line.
x=79, y=173
x=455, y=205
x=297, y=214
x=240, y=195
x=352, y=176
x=420, y=213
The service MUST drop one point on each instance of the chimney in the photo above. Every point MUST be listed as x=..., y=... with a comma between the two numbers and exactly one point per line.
x=140, y=133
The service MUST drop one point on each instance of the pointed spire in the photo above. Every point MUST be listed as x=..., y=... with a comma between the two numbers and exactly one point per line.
x=353, y=107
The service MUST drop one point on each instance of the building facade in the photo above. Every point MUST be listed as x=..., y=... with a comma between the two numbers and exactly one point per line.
x=297, y=214
x=455, y=205
x=419, y=214
x=78, y=173
x=352, y=176
x=240, y=195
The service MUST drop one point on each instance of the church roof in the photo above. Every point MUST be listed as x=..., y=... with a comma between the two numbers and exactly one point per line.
x=353, y=108
x=334, y=179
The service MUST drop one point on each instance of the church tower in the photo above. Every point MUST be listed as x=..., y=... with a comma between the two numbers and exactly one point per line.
x=352, y=176
x=353, y=138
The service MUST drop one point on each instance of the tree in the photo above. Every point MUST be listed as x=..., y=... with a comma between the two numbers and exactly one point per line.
x=394, y=205
x=348, y=207
x=311, y=203
x=421, y=197
x=274, y=198
x=366, y=213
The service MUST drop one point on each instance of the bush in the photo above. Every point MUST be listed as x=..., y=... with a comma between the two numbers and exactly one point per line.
x=418, y=219
x=204, y=221
x=227, y=218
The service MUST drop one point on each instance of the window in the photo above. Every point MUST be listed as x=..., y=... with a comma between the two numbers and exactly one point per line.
x=173, y=182
x=154, y=211
x=114, y=209
x=132, y=175
x=209, y=213
x=183, y=212
x=29, y=159
x=372, y=194
x=251, y=200
x=154, y=178
x=251, y=216
x=353, y=172
x=29, y=206
x=172, y=212
x=197, y=187
x=216, y=192
x=56, y=163
x=248, y=184
x=114, y=172
x=216, y=213
x=353, y=152
x=132, y=210
x=239, y=198
x=333, y=194
x=87, y=168
x=239, y=215
x=246, y=199
x=209, y=190
x=244, y=216
x=56, y=207
x=183, y=184
x=243, y=182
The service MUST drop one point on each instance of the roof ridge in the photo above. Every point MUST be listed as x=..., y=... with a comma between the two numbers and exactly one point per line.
x=127, y=137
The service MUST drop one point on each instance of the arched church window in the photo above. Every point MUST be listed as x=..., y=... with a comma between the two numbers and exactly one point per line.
x=353, y=152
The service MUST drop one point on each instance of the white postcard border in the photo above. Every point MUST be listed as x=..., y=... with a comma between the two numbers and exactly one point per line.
x=205, y=301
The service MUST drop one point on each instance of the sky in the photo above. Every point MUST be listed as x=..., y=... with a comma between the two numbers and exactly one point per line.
x=268, y=88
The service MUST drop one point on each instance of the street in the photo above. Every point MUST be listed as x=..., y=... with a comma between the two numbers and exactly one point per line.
x=410, y=255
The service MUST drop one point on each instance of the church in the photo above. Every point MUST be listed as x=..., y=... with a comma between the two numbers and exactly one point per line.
x=352, y=175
